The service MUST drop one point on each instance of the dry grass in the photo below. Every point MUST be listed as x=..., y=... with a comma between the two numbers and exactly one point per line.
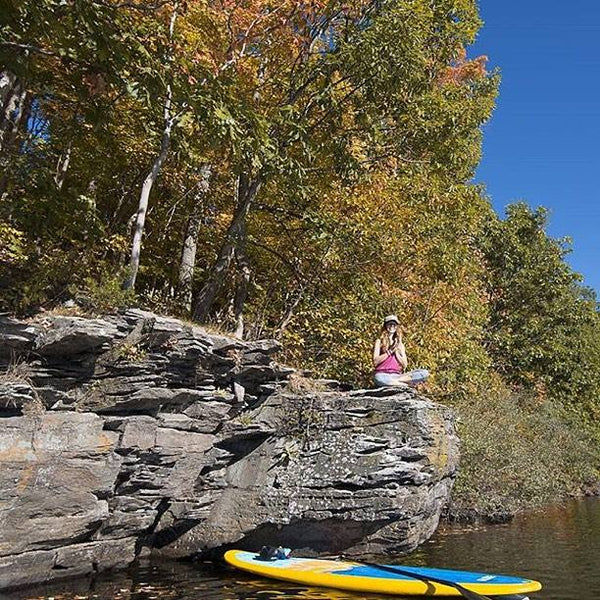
x=19, y=371
x=68, y=311
x=298, y=384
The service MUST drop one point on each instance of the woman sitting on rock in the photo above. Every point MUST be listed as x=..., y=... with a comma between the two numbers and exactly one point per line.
x=389, y=358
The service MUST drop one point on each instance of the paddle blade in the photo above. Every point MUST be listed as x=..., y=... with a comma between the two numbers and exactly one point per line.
x=469, y=595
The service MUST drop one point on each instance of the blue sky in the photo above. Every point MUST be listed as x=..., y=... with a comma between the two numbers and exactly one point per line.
x=542, y=144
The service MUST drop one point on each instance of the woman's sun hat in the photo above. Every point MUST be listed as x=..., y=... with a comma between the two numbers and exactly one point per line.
x=391, y=319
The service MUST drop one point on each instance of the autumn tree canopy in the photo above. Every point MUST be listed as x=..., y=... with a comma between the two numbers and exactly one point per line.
x=294, y=169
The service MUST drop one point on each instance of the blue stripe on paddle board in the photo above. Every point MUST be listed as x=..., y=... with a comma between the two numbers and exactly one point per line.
x=455, y=576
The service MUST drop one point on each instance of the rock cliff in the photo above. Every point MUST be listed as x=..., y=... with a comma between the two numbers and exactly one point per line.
x=135, y=434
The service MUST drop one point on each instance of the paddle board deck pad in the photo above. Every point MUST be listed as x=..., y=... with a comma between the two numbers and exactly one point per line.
x=346, y=575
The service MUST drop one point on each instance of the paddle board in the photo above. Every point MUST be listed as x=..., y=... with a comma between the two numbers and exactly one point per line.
x=346, y=575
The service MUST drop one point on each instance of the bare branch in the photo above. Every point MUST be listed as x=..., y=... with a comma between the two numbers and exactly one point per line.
x=28, y=48
x=341, y=102
x=294, y=270
x=257, y=20
x=142, y=6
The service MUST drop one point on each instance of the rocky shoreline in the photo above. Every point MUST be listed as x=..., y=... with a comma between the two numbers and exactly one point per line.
x=136, y=435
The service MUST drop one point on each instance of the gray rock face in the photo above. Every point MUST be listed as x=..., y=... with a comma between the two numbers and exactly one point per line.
x=157, y=437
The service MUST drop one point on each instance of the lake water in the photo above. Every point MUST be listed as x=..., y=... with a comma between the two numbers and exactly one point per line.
x=558, y=546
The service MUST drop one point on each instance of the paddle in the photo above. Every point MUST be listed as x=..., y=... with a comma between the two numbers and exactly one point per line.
x=400, y=571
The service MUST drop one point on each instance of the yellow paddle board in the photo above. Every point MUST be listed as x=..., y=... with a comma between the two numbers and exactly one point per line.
x=345, y=575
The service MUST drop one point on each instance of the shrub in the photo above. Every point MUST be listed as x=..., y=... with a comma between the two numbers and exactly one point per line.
x=518, y=452
x=104, y=295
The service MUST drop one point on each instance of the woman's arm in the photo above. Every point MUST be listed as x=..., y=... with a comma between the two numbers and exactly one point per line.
x=400, y=353
x=377, y=356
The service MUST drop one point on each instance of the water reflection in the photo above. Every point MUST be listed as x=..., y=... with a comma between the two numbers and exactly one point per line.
x=183, y=581
x=559, y=546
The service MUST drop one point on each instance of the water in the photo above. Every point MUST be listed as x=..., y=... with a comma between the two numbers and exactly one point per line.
x=559, y=546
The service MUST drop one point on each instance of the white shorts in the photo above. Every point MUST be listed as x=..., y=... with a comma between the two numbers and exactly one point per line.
x=395, y=379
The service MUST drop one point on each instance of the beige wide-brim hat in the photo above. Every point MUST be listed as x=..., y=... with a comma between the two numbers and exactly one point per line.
x=391, y=319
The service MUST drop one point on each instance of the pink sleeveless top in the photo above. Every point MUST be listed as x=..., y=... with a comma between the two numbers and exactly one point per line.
x=389, y=365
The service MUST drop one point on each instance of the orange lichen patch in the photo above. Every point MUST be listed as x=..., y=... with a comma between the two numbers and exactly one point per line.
x=439, y=451
x=106, y=443
x=26, y=475
x=16, y=454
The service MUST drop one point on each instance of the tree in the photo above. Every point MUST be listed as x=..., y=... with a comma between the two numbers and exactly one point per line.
x=542, y=321
x=359, y=90
x=169, y=119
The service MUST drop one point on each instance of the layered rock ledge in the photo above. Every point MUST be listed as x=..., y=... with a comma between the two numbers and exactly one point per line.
x=135, y=435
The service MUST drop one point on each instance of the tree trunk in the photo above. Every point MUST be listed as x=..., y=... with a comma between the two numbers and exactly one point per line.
x=90, y=196
x=169, y=119
x=246, y=191
x=14, y=104
x=188, y=260
x=289, y=313
x=122, y=258
x=62, y=166
x=7, y=83
x=243, y=283
x=11, y=99
x=136, y=247
x=12, y=117
x=188, y=254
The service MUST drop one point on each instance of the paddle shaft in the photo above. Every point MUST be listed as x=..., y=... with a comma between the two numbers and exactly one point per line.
x=400, y=571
